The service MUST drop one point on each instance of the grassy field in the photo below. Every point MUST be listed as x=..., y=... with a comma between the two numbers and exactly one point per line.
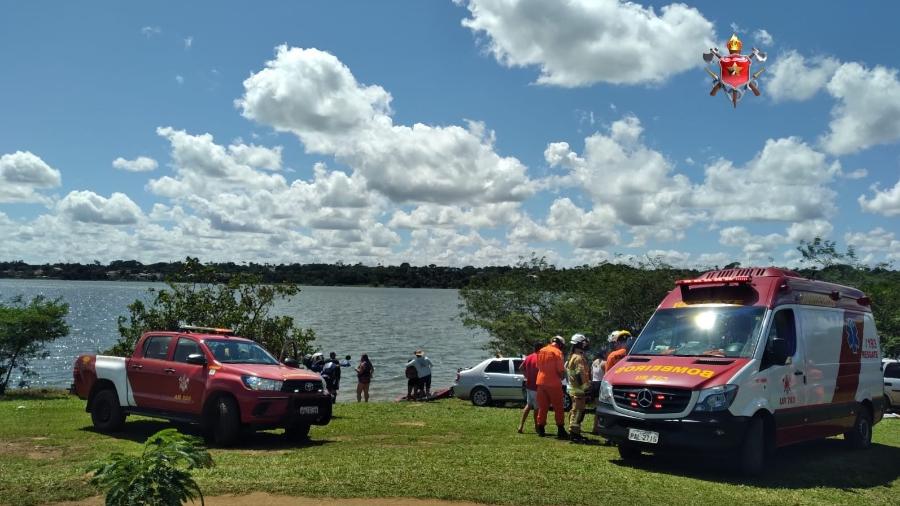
x=442, y=450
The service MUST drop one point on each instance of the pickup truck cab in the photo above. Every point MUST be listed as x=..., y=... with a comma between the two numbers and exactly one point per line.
x=744, y=361
x=206, y=376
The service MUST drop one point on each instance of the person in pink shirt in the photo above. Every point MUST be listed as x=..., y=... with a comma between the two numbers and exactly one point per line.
x=530, y=370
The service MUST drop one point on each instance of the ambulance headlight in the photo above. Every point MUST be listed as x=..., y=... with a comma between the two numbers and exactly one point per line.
x=716, y=398
x=257, y=383
x=606, y=394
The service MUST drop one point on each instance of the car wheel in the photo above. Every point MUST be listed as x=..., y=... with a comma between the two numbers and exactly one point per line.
x=481, y=397
x=629, y=452
x=298, y=432
x=860, y=436
x=753, y=449
x=227, y=423
x=106, y=414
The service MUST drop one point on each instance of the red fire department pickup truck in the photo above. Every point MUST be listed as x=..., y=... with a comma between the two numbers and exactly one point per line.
x=205, y=376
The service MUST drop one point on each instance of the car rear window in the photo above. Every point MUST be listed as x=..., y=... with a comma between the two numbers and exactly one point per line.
x=498, y=366
x=892, y=370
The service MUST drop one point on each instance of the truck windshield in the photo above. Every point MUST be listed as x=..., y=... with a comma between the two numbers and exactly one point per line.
x=239, y=352
x=713, y=331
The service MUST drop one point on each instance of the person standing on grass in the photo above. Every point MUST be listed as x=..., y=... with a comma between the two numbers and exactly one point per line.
x=412, y=380
x=364, y=372
x=423, y=371
x=530, y=370
x=619, y=342
x=549, y=386
x=331, y=373
x=578, y=379
x=597, y=374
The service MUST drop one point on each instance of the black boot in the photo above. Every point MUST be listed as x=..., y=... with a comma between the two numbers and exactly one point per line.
x=561, y=432
x=540, y=430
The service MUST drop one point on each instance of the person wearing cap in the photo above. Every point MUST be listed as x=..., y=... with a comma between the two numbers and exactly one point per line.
x=551, y=371
x=619, y=340
x=423, y=370
x=579, y=384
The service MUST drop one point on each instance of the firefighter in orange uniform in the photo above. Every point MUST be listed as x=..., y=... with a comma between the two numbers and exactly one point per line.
x=551, y=371
x=617, y=340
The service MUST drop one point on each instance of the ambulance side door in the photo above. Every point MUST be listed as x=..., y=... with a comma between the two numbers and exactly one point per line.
x=786, y=383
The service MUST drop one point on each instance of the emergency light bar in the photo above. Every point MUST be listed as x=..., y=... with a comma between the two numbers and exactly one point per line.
x=209, y=330
x=713, y=281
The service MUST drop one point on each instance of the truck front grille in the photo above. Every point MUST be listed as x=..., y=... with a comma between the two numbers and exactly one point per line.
x=652, y=399
x=302, y=386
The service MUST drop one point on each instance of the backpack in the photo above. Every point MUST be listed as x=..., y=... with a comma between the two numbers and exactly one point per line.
x=411, y=372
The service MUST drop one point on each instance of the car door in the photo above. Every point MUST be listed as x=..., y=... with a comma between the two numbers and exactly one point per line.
x=892, y=384
x=500, y=379
x=184, y=383
x=146, y=372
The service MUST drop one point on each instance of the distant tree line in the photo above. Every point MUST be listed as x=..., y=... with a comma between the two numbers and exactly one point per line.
x=339, y=274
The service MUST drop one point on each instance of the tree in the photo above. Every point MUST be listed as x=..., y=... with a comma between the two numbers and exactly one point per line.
x=535, y=301
x=160, y=476
x=823, y=253
x=195, y=297
x=25, y=328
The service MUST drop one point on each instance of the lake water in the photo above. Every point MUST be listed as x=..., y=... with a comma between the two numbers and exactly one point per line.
x=387, y=323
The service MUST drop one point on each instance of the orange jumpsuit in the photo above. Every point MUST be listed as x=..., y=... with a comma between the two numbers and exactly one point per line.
x=549, y=384
x=614, y=358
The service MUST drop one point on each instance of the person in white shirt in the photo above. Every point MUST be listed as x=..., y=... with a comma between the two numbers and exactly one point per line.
x=423, y=369
x=597, y=374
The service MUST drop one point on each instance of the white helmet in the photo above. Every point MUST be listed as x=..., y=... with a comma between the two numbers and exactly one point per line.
x=579, y=339
x=617, y=335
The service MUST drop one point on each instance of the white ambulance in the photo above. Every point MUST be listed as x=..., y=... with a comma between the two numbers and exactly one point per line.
x=747, y=360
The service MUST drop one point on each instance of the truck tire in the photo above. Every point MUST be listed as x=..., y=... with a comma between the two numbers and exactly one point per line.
x=860, y=436
x=753, y=450
x=297, y=433
x=481, y=397
x=106, y=414
x=226, y=424
x=629, y=452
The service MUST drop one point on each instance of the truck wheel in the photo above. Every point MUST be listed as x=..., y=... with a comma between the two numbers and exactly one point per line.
x=629, y=452
x=753, y=449
x=106, y=414
x=297, y=433
x=481, y=397
x=860, y=436
x=227, y=423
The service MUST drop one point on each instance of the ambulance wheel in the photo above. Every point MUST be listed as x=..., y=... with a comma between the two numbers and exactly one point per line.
x=753, y=449
x=629, y=452
x=481, y=397
x=227, y=423
x=860, y=436
x=106, y=414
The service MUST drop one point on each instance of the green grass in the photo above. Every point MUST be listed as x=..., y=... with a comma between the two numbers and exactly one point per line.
x=440, y=450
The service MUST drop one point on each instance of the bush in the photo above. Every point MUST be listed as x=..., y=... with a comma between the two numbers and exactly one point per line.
x=24, y=330
x=159, y=476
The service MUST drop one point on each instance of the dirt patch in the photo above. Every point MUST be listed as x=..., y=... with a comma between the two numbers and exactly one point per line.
x=30, y=450
x=409, y=424
x=257, y=498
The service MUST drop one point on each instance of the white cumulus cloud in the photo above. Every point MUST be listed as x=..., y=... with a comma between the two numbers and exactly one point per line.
x=88, y=207
x=795, y=77
x=139, y=164
x=868, y=108
x=23, y=173
x=886, y=202
x=582, y=42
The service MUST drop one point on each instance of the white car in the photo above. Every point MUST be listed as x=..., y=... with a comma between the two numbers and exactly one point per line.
x=891, y=385
x=494, y=380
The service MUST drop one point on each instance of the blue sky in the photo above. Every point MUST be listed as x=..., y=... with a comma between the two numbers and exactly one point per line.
x=432, y=132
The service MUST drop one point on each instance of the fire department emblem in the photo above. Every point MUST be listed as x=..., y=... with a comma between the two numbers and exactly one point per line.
x=183, y=383
x=734, y=70
x=852, y=336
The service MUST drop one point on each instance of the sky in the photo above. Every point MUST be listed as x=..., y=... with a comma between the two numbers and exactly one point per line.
x=465, y=132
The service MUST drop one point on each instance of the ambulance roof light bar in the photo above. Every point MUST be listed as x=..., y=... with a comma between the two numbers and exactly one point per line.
x=207, y=330
x=714, y=281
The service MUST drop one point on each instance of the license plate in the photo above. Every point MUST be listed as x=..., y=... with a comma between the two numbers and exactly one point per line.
x=308, y=410
x=643, y=436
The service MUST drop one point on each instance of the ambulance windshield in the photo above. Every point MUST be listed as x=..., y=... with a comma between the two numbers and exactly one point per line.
x=711, y=331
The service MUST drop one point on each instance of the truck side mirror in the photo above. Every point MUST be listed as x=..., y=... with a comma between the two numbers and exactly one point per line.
x=778, y=351
x=196, y=359
x=291, y=362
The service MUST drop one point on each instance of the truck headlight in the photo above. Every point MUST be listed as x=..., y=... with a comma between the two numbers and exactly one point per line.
x=257, y=383
x=716, y=398
x=606, y=394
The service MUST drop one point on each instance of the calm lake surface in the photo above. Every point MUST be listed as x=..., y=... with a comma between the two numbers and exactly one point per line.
x=387, y=323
